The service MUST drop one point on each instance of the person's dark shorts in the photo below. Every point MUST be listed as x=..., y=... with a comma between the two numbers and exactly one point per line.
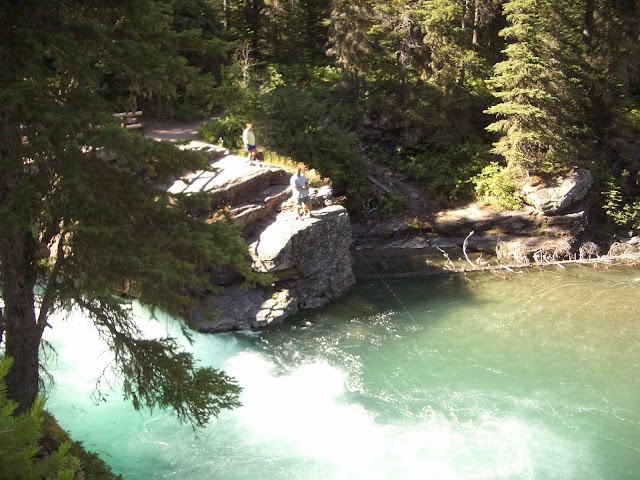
x=300, y=201
x=250, y=148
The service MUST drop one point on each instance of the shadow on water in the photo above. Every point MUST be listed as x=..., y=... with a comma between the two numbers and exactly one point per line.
x=382, y=307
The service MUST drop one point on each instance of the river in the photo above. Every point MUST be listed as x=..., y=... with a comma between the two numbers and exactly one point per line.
x=529, y=375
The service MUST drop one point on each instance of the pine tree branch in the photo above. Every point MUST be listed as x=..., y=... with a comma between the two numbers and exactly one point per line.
x=156, y=373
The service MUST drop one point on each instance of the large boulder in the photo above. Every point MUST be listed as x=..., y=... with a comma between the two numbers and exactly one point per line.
x=316, y=249
x=552, y=196
x=310, y=260
x=231, y=181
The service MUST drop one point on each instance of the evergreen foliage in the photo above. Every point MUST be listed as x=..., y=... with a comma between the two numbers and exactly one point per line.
x=166, y=56
x=20, y=434
x=540, y=110
x=299, y=125
x=81, y=215
x=621, y=202
x=351, y=44
x=295, y=122
x=423, y=69
x=294, y=32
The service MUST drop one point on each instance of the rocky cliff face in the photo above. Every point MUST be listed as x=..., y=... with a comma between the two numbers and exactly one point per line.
x=309, y=258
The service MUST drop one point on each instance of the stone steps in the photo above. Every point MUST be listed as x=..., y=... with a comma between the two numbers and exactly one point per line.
x=266, y=204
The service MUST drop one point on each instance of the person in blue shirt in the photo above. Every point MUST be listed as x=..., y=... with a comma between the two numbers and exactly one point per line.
x=300, y=190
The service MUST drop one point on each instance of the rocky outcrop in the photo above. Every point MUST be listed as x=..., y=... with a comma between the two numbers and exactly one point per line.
x=526, y=231
x=309, y=258
x=552, y=196
x=520, y=223
x=564, y=199
x=316, y=249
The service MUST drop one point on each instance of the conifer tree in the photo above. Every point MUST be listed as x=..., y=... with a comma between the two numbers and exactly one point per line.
x=611, y=35
x=349, y=39
x=244, y=21
x=295, y=33
x=166, y=60
x=81, y=212
x=541, y=114
x=446, y=30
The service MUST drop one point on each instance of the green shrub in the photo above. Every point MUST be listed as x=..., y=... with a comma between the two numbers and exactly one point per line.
x=445, y=172
x=633, y=116
x=632, y=113
x=393, y=204
x=496, y=187
x=226, y=132
x=296, y=124
x=620, y=203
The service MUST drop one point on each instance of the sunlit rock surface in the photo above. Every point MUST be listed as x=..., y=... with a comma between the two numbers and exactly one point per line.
x=552, y=196
x=309, y=258
x=526, y=230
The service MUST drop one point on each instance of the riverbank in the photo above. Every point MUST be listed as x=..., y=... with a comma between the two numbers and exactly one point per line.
x=468, y=238
x=418, y=238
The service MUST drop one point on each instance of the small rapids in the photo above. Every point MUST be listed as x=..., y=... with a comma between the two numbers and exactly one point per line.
x=525, y=376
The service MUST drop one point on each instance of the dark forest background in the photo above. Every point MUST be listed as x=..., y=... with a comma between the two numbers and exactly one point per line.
x=464, y=97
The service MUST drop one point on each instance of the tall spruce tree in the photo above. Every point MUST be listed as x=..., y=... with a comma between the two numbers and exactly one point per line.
x=540, y=85
x=350, y=40
x=81, y=214
x=295, y=32
x=447, y=36
x=167, y=64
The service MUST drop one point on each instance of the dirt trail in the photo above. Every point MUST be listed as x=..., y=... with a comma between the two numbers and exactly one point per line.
x=173, y=130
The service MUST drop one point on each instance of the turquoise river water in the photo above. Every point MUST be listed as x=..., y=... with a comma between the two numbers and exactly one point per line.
x=530, y=375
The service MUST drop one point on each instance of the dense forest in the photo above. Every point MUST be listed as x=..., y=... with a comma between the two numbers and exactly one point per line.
x=462, y=96
x=465, y=98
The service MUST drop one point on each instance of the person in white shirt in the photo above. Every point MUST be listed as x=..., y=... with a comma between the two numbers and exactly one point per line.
x=249, y=141
x=300, y=190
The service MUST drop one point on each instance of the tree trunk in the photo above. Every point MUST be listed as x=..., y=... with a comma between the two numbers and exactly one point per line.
x=464, y=26
x=465, y=13
x=1, y=327
x=476, y=22
x=22, y=332
x=587, y=25
x=227, y=15
x=253, y=18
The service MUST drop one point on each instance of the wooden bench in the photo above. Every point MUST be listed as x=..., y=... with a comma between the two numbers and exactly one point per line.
x=129, y=119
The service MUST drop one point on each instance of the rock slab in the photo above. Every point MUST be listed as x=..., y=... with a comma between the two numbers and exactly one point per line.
x=309, y=258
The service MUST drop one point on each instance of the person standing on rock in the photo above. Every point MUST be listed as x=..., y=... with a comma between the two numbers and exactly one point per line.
x=249, y=141
x=300, y=190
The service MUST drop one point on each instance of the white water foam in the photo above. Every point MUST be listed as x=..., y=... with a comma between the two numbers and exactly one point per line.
x=298, y=423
